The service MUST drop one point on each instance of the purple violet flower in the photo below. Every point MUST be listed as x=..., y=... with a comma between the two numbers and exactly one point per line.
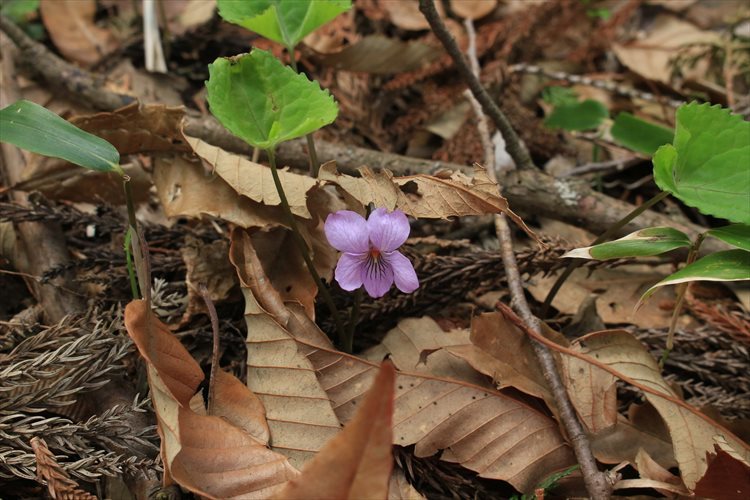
x=370, y=251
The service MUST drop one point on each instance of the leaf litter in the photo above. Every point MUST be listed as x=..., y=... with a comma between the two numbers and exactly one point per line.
x=470, y=413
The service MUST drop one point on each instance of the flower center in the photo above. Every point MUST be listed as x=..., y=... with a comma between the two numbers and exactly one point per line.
x=374, y=254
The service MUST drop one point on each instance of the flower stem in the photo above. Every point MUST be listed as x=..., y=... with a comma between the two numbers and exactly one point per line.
x=132, y=225
x=575, y=263
x=353, y=319
x=682, y=289
x=314, y=165
x=302, y=247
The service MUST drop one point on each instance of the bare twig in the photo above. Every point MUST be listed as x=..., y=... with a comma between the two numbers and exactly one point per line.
x=597, y=483
x=215, y=352
x=515, y=148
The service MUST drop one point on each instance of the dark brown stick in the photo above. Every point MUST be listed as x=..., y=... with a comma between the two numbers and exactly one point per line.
x=514, y=146
x=596, y=482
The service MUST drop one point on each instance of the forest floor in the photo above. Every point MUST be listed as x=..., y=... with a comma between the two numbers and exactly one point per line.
x=474, y=414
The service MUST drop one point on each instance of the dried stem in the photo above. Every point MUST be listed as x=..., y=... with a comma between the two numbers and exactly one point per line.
x=515, y=148
x=597, y=484
x=303, y=250
x=215, y=349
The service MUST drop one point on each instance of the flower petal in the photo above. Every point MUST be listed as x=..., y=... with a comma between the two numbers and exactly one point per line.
x=349, y=271
x=403, y=272
x=388, y=231
x=377, y=278
x=347, y=231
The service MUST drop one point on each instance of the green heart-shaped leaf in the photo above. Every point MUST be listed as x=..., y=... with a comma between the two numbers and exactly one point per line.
x=39, y=130
x=583, y=115
x=640, y=135
x=264, y=102
x=737, y=235
x=283, y=21
x=730, y=265
x=642, y=243
x=708, y=165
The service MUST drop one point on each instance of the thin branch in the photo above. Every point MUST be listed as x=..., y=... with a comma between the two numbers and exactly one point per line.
x=597, y=483
x=215, y=348
x=514, y=146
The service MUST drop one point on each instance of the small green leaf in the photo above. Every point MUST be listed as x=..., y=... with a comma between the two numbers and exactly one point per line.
x=640, y=135
x=730, y=265
x=707, y=165
x=642, y=243
x=18, y=10
x=585, y=115
x=39, y=130
x=283, y=21
x=557, y=96
x=737, y=235
x=264, y=102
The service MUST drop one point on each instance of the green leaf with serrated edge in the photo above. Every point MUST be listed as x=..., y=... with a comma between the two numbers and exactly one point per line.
x=642, y=243
x=283, y=21
x=264, y=102
x=737, y=235
x=708, y=165
x=730, y=265
x=640, y=135
x=585, y=115
x=39, y=130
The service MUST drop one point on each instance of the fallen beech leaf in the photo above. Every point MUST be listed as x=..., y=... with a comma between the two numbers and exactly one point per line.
x=426, y=196
x=138, y=128
x=357, y=462
x=400, y=489
x=483, y=430
x=651, y=56
x=622, y=442
x=298, y=411
x=219, y=456
x=693, y=434
x=381, y=55
x=70, y=24
x=503, y=352
x=206, y=263
x=648, y=468
x=593, y=393
x=726, y=477
x=406, y=345
x=254, y=180
x=473, y=9
x=185, y=190
x=406, y=15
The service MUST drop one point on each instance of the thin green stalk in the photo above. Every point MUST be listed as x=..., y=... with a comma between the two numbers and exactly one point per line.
x=314, y=165
x=129, y=262
x=682, y=289
x=606, y=235
x=302, y=247
x=132, y=225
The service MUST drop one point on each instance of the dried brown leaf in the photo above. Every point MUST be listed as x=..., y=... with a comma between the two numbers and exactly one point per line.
x=648, y=468
x=185, y=190
x=409, y=343
x=381, y=55
x=299, y=413
x=71, y=26
x=138, y=128
x=623, y=441
x=357, y=462
x=218, y=456
x=426, y=196
x=726, y=478
x=694, y=435
x=593, y=393
x=473, y=9
x=406, y=15
x=254, y=180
